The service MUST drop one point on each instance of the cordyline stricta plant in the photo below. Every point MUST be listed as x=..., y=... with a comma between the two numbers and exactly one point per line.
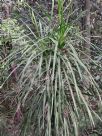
x=52, y=93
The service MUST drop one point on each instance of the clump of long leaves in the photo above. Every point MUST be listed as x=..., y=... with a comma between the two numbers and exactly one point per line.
x=52, y=91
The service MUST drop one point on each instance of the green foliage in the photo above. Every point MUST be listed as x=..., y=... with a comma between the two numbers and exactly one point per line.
x=9, y=30
x=52, y=92
x=11, y=33
x=51, y=79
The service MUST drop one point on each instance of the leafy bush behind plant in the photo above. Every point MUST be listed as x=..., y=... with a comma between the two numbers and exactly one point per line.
x=52, y=93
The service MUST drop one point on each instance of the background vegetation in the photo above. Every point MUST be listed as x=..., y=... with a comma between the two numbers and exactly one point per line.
x=50, y=68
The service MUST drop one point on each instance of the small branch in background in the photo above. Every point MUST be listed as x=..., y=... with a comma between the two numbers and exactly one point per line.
x=87, y=27
x=87, y=43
